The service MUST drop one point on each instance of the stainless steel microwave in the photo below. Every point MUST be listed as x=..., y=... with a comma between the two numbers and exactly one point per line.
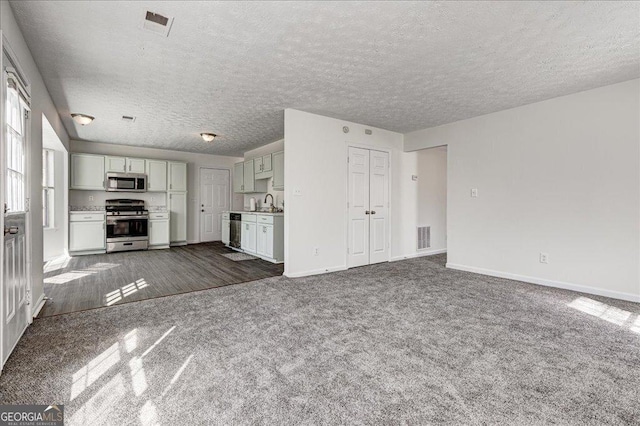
x=126, y=182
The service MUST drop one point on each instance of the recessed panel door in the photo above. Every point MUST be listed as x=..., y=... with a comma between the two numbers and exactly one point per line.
x=214, y=199
x=358, y=207
x=378, y=207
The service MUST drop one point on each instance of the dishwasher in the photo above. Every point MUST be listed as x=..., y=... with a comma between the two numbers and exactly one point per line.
x=235, y=225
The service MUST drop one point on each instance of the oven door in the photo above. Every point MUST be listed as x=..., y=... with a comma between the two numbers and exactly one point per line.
x=127, y=228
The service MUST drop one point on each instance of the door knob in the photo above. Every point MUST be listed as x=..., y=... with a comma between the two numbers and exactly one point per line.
x=202, y=210
x=373, y=212
x=367, y=212
x=11, y=230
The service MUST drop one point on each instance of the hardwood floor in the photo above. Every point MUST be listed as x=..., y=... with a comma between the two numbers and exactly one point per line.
x=88, y=282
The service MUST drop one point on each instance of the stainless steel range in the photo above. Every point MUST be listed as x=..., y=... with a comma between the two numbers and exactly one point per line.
x=127, y=225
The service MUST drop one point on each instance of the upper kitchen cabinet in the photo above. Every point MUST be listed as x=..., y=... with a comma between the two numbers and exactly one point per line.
x=244, y=179
x=262, y=167
x=135, y=165
x=156, y=171
x=115, y=164
x=87, y=172
x=124, y=165
x=177, y=176
x=278, y=171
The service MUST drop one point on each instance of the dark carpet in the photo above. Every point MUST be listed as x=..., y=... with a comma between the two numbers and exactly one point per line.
x=408, y=342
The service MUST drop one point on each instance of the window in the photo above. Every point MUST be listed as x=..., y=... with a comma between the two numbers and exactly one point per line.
x=48, y=193
x=15, y=150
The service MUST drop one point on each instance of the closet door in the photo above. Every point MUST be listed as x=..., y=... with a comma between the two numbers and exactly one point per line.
x=358, y=207
x=378, y=207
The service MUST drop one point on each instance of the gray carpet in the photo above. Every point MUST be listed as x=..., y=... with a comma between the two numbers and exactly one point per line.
x=407, y=342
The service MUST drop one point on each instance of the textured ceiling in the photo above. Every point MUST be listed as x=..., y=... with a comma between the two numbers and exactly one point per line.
x=232, y=67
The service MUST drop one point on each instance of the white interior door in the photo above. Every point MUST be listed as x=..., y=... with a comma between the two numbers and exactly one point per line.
x=214, y=199
x=368, y=193
x=358, y=244
x=15, y=172
x=379, y=207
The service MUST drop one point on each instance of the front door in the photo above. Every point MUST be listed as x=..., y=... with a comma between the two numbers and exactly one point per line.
x=214, y=199
x=15, y=274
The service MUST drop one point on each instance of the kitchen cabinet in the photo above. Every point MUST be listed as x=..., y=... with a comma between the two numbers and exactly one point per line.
x=226, y=231
x=244, y=179
x=264, y=240
x=248, y=233
x=115, y=164
x=156, y=171
x=135, y=165
x=270, y=237
x=87, y=233
x=262, y=165
x=178, y=218
x=177, y=176
x=87, y=172
x=278, y=171
x=124, y=165
x=159, y=230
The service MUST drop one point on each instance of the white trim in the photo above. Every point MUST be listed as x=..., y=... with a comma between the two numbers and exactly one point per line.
x=200, y=197
x=39, y=306
x=548, y=283
x=419, y=254
x=315, y=272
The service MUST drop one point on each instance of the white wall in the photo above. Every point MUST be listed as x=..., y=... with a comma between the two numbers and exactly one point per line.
x=55, y=238
x=432, y=196
x=316, y=164
x=278, y=196
x=560, y=176
x=40, y=104
x=194, y=163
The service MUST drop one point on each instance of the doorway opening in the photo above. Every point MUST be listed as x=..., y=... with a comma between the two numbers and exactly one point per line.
x=431, y=230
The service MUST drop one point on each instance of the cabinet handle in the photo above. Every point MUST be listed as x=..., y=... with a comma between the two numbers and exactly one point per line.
x=264, y=229
x=129, y=167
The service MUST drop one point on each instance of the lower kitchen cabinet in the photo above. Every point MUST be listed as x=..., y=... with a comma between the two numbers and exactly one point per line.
x=87, y=233
x=159, y=230
x=248, y=234
x=264, y=238
x=178, y=218
x=226, y=229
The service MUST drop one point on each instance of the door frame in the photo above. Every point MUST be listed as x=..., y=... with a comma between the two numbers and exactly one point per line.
x=346, y=209
x=200, y=194
x=5, y=48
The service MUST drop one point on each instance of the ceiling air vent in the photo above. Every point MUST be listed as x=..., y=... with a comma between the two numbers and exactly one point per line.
x=157, y=23
x=128, y=118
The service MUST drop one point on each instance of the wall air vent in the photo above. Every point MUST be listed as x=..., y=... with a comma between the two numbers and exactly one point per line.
x=157, y=23
x=424, y=237
x=128, y=118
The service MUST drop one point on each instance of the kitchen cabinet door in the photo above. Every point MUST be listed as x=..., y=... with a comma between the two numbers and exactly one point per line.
x=158, y=232
x=177, y=176
x=226, y=232
x=156, y=175
x=178, y=217
x=86, y=236
x=257, y=165
x=238, y=178
x=135, y=165
x=115, y=164
x=266, y=163
x=248, y=237
x=278, y=171
x=87, y=172
x=249, y=176
x=264, y=240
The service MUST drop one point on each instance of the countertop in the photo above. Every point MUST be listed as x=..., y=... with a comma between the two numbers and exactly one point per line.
x=256, y=212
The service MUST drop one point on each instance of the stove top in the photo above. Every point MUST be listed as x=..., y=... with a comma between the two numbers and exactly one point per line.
x=126, y=207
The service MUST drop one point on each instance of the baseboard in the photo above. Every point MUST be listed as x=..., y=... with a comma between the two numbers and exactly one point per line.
x=315, y=272
x=420, y=254
x=548, y=283
x=39, y=304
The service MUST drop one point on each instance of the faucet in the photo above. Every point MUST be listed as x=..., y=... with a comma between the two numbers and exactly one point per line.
x=265, y=200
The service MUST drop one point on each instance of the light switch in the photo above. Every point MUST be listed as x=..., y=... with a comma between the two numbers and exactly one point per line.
x=474, y=192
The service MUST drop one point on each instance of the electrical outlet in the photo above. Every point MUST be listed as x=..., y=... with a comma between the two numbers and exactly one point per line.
x=544, y=258
x=90, y=197
x=474, y=192
x=316, y=251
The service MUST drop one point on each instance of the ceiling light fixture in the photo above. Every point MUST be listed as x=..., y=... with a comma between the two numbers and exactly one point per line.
x=208, y=137
x=82, y=119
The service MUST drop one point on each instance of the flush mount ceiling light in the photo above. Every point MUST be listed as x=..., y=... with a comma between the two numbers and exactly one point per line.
x=82, y=119
x=208, y=137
